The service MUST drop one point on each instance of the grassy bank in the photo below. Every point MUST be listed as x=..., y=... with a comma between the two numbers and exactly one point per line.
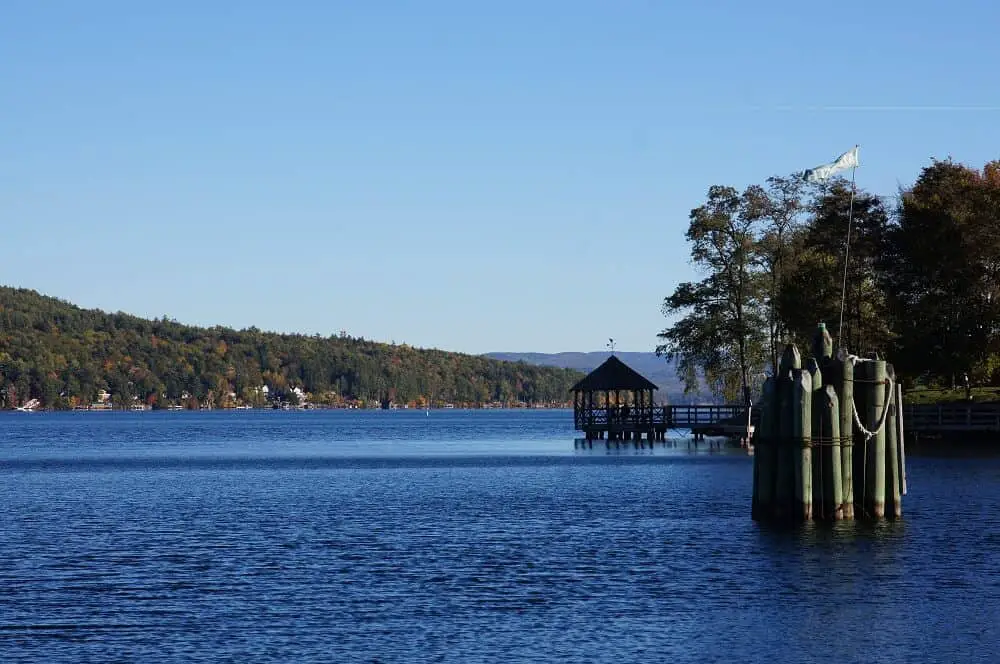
x=925, y=395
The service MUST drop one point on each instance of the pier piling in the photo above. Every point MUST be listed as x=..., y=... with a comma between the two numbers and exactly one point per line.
x=902, y=440
x=845, y=383
x=802, y=430
x=816, y=436
x=875, y=445
x=830, y=472
x=829, y=440
x=893, y=505
x=765, y=456
x=785, y=452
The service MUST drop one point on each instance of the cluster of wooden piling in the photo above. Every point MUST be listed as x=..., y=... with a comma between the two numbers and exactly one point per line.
x=830, y=441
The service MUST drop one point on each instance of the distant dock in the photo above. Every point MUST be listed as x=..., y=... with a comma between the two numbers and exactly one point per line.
x=616, y=402
x=952, y=420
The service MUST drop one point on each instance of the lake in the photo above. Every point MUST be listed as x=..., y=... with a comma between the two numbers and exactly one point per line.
x=461, y=536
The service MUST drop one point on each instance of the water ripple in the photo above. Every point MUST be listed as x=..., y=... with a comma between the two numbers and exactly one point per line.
x=475, y=558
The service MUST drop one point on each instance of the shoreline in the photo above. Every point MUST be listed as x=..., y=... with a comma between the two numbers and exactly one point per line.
x=270, y=409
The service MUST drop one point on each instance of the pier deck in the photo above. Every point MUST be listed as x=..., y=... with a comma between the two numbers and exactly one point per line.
x=731, y=420
x=653, y=423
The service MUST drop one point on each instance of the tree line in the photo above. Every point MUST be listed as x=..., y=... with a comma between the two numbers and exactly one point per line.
x=922, y=278
x=65, y=356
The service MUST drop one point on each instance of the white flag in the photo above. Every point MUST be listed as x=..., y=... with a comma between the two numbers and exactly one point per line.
x=822, y=173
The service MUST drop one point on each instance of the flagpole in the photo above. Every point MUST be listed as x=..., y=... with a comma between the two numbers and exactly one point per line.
x=847, y=256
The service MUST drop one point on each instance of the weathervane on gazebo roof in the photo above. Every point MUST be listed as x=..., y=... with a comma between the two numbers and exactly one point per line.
x=611, y=345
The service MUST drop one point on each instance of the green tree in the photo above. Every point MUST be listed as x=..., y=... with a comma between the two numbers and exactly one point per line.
x=942, y=269
x=812, y=289
x=783, y=205
x=721, y=333
x=49, y=348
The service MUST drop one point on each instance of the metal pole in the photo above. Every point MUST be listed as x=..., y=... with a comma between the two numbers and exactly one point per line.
x=847, y=255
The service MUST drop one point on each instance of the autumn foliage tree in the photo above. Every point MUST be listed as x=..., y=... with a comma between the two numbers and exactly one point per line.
x=922, y=286
x=61, y=354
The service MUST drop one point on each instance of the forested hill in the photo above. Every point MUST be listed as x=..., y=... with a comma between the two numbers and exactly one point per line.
x=66, y=356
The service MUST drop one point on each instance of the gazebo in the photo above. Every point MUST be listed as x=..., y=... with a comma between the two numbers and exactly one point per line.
x=616, y=400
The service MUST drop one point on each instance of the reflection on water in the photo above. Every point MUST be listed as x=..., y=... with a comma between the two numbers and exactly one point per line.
x=669, y=447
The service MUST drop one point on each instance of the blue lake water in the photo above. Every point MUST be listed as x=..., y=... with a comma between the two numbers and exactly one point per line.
x=488, y=536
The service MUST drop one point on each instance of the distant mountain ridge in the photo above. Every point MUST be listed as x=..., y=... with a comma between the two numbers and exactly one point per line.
x=657, y=369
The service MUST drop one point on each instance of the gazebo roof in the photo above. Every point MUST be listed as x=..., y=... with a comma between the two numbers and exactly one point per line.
x=613, y=375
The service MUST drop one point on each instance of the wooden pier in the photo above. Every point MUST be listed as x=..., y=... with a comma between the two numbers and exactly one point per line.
x=953, y=419
x=616, y=402
x=701, y=420
x=931, y=420
x=729, y=421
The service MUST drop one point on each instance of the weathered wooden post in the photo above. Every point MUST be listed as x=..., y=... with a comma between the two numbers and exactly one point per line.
x=822, y=372
x=901, y=437
x=802, y=432
x=875, y=446
x=833, y=497
x=765, y=453
x=822, y=344
x=845, y=385
x=816, y=435
x=862, y=445
x=785, y=444
x=893, y=504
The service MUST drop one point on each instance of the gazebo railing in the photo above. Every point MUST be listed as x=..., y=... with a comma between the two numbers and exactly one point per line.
x=673, y=417
x=632, y=417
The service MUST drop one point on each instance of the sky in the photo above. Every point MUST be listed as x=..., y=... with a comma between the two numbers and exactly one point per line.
x=472, y=176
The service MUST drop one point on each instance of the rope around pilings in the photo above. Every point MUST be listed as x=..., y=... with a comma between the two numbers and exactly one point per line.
x=820, y=441
x=885, y=408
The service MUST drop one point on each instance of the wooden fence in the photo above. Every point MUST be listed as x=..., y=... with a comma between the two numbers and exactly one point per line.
x=951, y=417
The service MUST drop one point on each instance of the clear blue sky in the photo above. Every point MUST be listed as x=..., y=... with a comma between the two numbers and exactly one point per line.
x=467, y=175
